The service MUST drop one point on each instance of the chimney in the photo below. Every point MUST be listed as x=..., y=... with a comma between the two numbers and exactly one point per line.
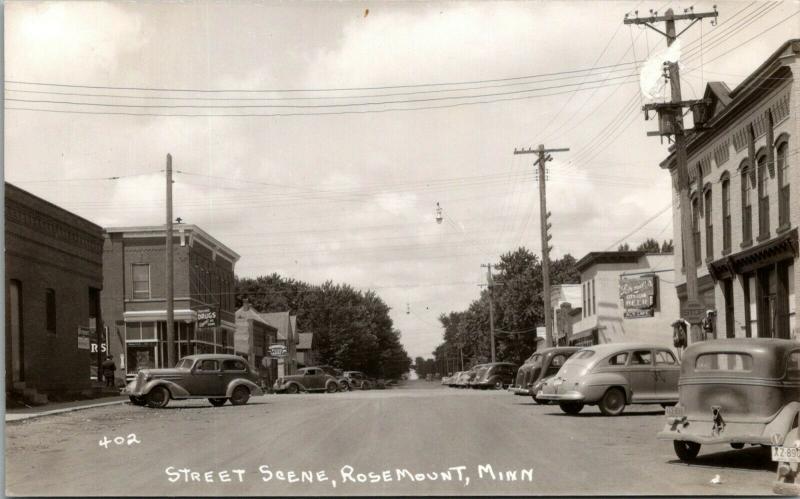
x=245, y=304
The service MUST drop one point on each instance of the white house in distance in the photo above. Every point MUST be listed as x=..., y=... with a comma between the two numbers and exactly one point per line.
x=625, y=296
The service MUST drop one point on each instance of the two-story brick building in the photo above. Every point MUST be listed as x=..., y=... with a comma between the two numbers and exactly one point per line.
x=134, y=294
x=742, y=167
x=54, y=275
x=626, y=296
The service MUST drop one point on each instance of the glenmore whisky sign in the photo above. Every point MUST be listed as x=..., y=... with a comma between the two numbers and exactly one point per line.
x=638, y=296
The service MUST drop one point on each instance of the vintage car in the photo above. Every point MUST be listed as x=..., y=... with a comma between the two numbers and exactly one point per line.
x=545, y=367
x=338, y=374
x=739, y=391
x=466, y=378
x=216, y=377
x=452, y=380
x=613, y=375
x=307, y=379
x=495, y=375
x=356, y=380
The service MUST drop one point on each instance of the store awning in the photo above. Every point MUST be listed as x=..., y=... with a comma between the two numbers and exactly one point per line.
x=159, y=315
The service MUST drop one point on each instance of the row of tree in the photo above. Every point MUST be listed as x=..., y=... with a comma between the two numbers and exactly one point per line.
x=650, y=245
x=352, y=329
x=518, y=310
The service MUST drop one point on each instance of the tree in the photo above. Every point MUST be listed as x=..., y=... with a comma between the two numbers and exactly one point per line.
x=624, y=247
x=650, y=245
x=667, y=247
x=353, y=328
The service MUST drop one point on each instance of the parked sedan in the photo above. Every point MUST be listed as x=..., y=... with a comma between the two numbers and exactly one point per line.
x=218, y=378
x=495, y=375
x=547, y=366
x=614, y=375
x=740, y=391
x=307, y=379
x=357, y=380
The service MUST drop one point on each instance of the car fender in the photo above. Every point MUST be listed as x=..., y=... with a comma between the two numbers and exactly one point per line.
x=175, y=390
x=332, y=381
x=254, y=388
x=784, y=421
x=598, y=383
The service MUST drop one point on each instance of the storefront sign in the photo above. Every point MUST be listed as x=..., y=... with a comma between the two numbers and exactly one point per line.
x=206, y=317
x=638, y=296
x=278, y=351
x=84, y=338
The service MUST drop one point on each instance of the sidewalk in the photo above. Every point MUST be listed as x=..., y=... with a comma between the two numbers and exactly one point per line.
x=19, y=414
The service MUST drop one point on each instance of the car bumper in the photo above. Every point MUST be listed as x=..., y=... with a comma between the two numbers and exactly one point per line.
x=702, y=432
x=519, y=391
x=571, y=396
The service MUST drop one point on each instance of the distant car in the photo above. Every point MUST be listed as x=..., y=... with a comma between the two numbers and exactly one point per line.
x=452, y=380
x=545, y=367
x=218, y=378
x=496, y=375
x=613, y=375
x=740, y=391
x=307, y=379
x=467, y=377
x=356, y=380
x=336, y=373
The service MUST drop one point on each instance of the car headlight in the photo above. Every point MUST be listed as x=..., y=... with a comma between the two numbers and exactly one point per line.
x=148, y=377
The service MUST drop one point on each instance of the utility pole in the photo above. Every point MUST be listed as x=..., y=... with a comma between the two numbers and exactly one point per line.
x=171, y=360
x=544, y=157
x=490, y=284
x=671, y=123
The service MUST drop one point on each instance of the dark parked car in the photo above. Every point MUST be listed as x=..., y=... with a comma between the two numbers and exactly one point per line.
x=216, y=377
x=613, y=375
x=544, y=365
x=338, y=374
x=738, y=392
x=358, y=380
x=495, y=375
x=307, y=379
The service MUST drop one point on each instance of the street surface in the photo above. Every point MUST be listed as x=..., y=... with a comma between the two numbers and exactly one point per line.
x=424, y=428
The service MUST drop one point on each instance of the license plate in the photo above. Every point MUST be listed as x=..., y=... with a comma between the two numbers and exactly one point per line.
x=786, y=454
x=674, y=411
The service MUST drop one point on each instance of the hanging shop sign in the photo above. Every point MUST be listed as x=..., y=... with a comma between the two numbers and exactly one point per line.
x=206, y=317
x=84, y=338
x=638, y=296
x=278, y=351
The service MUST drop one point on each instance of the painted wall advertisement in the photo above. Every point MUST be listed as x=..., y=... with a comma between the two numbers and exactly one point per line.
x=84, y=337
x=638, y=296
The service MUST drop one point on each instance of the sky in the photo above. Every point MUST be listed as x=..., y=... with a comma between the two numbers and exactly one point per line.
x=315, y=139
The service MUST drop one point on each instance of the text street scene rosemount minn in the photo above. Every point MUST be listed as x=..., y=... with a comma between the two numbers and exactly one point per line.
x=449, y=248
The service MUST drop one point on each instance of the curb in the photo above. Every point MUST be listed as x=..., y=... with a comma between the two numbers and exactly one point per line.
x=13, y=418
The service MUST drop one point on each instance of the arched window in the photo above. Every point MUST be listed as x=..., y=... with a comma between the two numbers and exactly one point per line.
x=747, y=209
x=726, y=213
x=782, y=160
x=763, y=196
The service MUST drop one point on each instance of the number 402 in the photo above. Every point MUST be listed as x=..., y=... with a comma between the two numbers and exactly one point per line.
x=119, y=440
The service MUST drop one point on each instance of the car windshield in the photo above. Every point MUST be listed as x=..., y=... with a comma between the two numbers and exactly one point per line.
x=184, y=364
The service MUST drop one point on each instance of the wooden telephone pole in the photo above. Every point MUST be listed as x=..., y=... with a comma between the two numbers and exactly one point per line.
x=490, y=284
x=544, y=157
x=171, y=360
x=671, y=123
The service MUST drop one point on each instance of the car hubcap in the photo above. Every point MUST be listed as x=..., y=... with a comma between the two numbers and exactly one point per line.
x=614, y=401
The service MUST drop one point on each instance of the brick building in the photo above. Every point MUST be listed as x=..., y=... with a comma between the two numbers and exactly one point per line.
x=744, y=216
x=625, y=296
x=134, y=294
x=54, y=274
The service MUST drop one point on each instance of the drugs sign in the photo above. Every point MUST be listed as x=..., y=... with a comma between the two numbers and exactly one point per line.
x=206, y=318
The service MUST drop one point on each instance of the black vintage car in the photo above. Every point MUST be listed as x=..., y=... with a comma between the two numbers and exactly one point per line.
x=494, y=375
x=218, y=378
x=543, y=364
x=307, y=379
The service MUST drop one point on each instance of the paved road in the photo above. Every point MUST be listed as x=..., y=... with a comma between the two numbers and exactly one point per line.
x=423, y=428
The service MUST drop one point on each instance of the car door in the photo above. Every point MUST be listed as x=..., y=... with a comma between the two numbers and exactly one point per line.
x=640, y=373
x=312, y=379
x=232, y=369
x=205, y=379
x=667, y=372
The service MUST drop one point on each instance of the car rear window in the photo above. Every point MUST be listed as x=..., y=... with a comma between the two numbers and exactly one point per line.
x=724, y=361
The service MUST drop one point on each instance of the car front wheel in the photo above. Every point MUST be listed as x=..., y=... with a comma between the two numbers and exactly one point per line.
x=571, y=407
x=292, y=389
x=218, y=402
x=686, y=451
x=240, y=395
x=158, y=398
x=140, y=401
x=332, y=388
x=613, y=402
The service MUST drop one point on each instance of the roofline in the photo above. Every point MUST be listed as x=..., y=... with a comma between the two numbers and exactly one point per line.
x=747, y=82
x=160, y=231
x=598, y=257
x=53, y=205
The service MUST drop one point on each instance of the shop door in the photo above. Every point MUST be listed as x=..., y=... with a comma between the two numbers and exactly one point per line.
x=767, y=301
x=15, y=324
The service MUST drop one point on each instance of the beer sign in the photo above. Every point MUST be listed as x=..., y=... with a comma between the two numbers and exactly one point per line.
x=638, y=296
